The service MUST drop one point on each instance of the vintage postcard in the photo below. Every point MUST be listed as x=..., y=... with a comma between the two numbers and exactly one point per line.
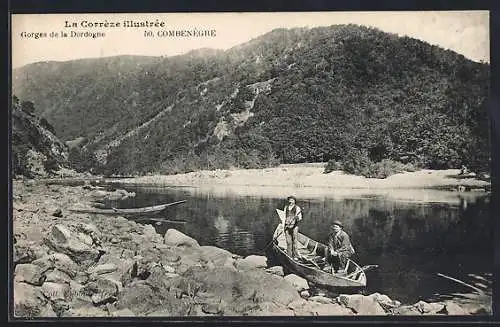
x=251, y=164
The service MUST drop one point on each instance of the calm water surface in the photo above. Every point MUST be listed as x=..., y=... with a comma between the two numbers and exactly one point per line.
x=410, y=242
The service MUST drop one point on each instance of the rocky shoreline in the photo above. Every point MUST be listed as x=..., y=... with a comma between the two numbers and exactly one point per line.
x=86, y=265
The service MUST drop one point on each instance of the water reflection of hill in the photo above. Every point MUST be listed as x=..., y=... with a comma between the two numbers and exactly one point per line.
x=420, y=195
x=375, y=223
x=410, y=241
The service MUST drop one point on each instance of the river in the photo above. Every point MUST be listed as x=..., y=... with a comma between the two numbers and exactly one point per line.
x=409, y=241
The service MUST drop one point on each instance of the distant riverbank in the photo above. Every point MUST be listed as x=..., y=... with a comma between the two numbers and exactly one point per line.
x=311, y=175
x=308, y=180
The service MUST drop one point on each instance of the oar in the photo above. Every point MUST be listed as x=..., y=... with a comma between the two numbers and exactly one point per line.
x=311, y=261
x=364, y=269
x=274, y=239
x=460, y=282
x=164, y=220
x=176, y=202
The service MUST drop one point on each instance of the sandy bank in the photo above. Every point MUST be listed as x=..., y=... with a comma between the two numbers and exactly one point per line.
x=83, y=265
x=309, y=181
x=312, y=176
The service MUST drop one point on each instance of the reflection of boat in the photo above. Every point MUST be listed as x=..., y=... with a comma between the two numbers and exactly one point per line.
x=311, y=262
x=131, y=211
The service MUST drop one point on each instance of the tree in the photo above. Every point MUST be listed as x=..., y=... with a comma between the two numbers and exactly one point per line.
x=28, y=107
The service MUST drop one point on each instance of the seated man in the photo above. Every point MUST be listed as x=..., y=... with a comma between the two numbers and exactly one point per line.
x=339, y=248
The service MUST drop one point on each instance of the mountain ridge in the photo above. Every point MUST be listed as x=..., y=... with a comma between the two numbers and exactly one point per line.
x=348, y=88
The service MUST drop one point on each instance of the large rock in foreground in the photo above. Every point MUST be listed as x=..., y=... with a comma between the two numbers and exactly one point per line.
x=251, y=262
x=76, y=245
x=175, y=238
x=60, y=261
x=29, y=273
x=362, y=305
x=28, y=301
x=298, y=282
x=242, y=292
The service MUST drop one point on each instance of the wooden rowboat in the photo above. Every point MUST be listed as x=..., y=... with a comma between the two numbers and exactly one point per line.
x=129, y=211
x=311, y=262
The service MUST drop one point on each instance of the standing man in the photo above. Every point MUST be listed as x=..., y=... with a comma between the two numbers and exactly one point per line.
x=293, y=214
x=339, y=247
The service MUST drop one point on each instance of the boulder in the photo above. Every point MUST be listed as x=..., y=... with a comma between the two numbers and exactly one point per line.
x=172, y=307
x=102, y=290
x=60, y=234
x=297, y=304
x=76, y=288
x=299, y=283
x=251, y=262
x=163, y=283
x=28, y=301
x=321, y=299
x=89, y=229
x=214, y=308
x=160, y=313
x=175, y=238
x=126, y=266
x=85, y=238
x=102, y=298
x=26, y=252
x=60, y=261
x=80, y=300
x=230, y=264
x=271, y=309
x=362, y=305
x=86, y=312
x=407, y=310
x=102, y=269
x=150, y=234
x=189, y=258
x=22, y=253
x=332, y=309
x=29, y=273
x=57, y=276
x=82, y=277
x=138, y=297
x=55, y=291
x=453, y=309
x=47, y=311
x=123, y=313
x=276, y=270
x=480, y=305
x=60, y=307
x=216, y=255
x=428, y=308
x=385, y=302
x=239, y=289
x=61, y=239
x=311, y=308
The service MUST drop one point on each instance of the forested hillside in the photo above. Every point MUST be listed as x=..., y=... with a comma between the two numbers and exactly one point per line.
x=36, y=151
x=348, y=94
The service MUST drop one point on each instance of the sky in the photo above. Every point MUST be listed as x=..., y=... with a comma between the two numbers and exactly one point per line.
x=465, y=32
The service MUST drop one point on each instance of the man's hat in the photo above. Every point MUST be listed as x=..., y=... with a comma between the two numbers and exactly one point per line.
x=338, y=223
x=291, y=197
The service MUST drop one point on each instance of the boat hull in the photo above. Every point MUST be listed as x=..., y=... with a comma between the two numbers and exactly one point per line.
x=132, y=211
x=311, y=262
x=315, y=275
